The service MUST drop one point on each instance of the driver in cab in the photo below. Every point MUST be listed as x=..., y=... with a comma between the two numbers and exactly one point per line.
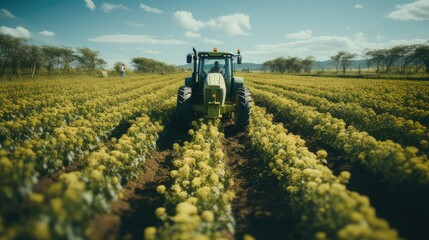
x=216, y=68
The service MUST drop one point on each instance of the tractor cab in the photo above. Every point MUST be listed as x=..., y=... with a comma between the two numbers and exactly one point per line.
x=212, y=91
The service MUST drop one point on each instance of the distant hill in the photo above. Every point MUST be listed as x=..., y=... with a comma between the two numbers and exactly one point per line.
x=318, y=65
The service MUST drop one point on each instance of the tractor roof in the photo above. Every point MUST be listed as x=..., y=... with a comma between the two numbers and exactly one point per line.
x=215, y=54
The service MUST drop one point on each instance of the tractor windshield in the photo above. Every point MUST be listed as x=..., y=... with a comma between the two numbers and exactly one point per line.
x=215, y=65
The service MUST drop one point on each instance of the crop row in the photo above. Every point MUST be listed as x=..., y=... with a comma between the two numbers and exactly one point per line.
x=400, y=99
x=198, y=204
x=23, y=164
x=382, y=126
x=20, y=100
x=65, y=110
x=65, y=209
x=323, y=206
x=391, y=160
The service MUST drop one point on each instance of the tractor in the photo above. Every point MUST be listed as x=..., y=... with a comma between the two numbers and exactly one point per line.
x=213, y=91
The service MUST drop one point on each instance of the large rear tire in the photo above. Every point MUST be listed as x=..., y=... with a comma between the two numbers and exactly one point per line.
x=184, y=113
x=243, y=109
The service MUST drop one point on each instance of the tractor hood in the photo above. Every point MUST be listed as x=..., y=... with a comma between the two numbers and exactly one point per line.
x=215, y=79
x=214, y=88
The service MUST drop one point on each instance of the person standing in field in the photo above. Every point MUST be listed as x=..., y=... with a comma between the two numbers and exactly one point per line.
x=122, y=71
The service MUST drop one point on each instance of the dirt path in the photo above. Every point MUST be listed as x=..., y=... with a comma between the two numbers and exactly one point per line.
x=260, y=208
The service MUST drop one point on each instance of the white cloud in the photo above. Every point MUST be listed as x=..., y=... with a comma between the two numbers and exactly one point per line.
x=359, y=6
x=18, y=32
x=191, y=34
x=109, y=7
x=234, y=24
x=186, y=20
x=150, y=9
x=416, y=11
x=47, y=33
x=347, y=28
x=321, y=47
x=305, y=34
x=90, y=4
x=126, y=38
x=6, y=14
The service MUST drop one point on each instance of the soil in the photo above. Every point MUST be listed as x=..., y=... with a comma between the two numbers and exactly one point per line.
x=260, y=207
x=135, y=211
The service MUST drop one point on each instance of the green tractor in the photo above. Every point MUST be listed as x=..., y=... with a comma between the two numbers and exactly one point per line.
x=213, y=91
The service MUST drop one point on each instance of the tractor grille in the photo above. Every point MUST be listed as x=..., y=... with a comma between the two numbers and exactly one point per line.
x=209, y=95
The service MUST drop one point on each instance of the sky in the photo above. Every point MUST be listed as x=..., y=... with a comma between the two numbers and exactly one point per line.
x=166, y=30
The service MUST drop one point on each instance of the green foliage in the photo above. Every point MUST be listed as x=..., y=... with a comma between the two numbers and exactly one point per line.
x=146, y=65
x=323, y=206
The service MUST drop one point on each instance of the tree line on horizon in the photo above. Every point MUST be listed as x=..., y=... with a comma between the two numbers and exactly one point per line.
x=398, y=59
x=19, y=59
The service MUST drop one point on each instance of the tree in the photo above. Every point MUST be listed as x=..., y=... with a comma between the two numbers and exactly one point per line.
x=422, y=55
x=88, y=59
x=58, y=58
x=343, y=59
x=337, y=59
x=12, y=52
x=346, y=60
x=406, y=56
x=391, y=56
x=307, y=64
x=34, y=59
x=375, y=58
x=142, y=64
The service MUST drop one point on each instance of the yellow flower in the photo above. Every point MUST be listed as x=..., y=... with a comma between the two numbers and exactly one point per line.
x=248, y=237
x=192, y=200
x=159, y=212
x=36, y=197
x=96, y=174
x=150, y=233
x=196, y=182
x=203, y=192
x=57, y=207
x=207, y=216
x=320, y=235
x=186, y=208
x=5, y=163
x=41, y=231
x=161, y=189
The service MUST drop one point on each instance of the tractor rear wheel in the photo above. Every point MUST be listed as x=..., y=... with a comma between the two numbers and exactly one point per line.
x=243, y=109
x=184, y=113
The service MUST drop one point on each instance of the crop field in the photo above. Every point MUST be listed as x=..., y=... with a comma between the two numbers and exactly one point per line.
x=323, y=158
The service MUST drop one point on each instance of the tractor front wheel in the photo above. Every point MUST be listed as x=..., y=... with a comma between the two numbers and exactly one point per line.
x=243, y=109
x=184, y=113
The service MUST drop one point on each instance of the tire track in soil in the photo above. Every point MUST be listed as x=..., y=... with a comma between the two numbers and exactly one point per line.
x=136, y=210
x=260, y=207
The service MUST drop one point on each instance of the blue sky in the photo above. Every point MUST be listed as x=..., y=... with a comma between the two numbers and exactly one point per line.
x=167, y=30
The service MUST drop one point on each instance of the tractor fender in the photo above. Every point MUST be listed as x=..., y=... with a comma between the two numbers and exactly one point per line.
x=237, y=82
